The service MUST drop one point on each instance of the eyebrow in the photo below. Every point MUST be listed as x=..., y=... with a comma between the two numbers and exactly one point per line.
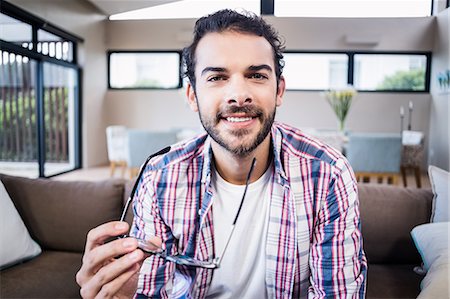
x=213, y=69
x=260, y=67
x=250, y=68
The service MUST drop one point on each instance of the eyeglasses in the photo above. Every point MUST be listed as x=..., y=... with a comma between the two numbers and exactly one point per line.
x=181, y=259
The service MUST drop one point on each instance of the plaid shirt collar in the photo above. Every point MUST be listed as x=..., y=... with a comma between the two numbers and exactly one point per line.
x=276, y=148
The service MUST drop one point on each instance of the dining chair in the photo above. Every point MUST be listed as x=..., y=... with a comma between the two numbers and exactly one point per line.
x=117, y=147
x=142, y=143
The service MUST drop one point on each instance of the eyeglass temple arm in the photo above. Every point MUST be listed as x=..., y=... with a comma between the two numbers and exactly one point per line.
x=136, y=183
x=239, y=210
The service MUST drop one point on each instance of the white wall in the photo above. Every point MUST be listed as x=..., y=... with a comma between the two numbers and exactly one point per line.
x=157, y=109
x=392, y=34
x=153, y=110
x=82, y=19
x=378, y=112
x=370, y=112
x=440, y=109
x=167, y=109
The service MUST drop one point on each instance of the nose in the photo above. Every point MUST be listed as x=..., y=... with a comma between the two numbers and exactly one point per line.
x=239, y=92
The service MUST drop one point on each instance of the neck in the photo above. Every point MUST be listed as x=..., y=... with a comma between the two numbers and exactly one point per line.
x=234, y=169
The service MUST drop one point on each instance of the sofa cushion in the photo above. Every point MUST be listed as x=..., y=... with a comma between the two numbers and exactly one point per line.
x=440, y=180
x=17, y=244
x=58, y=214
x=388, y=214
x=50, y=275
x=392, y=281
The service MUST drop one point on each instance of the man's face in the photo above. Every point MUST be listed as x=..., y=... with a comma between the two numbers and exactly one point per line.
x=236, y=91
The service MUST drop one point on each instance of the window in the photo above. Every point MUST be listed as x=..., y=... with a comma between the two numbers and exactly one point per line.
x=39, y=96
x=15, y=31
x=390, y=72
x=315, y=71
x=394, y=72
x=353, y=9
x=54, y=46
x=18, y=114
x=144, y=70
x=60, y=86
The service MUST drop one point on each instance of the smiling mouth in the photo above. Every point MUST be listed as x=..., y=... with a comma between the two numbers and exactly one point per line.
x=238, y=119
x=236, y=114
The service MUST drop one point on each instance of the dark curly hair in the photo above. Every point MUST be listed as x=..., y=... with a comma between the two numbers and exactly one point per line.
x=231, y=20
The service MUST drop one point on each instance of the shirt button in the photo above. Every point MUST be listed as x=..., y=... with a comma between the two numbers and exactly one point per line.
x=200, y=211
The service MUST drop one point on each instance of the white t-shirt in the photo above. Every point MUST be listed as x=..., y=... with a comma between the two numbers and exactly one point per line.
x=242, y=270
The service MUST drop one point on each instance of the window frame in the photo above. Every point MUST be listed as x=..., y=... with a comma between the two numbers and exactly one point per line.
x=350, y=69
x=180, y=66
x=38, y=23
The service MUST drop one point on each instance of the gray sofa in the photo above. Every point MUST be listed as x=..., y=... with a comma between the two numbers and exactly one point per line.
x=59, y=214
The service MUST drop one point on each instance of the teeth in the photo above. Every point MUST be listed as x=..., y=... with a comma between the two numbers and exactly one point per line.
x=238, y=119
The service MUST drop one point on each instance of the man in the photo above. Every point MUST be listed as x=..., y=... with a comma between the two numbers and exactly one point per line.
x=298, y=232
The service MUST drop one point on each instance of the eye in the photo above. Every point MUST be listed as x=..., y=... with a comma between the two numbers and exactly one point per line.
x=258, y=76
x=216, y=78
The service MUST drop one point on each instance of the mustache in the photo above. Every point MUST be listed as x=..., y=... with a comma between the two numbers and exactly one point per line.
x=249, y=110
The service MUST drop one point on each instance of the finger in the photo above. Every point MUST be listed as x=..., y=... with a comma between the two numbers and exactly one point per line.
x=104, y=254
x=109, y=273
x=125, y=283
x=98, y=235
x=92, y=261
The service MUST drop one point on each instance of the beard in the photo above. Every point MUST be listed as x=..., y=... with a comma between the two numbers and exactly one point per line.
x=244, y=148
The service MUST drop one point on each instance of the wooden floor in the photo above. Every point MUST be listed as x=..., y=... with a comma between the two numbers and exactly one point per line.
x=103, y=173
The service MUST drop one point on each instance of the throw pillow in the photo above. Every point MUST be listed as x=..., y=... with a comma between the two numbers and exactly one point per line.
x=17, y=244
x=435, y=283
x=440, y=182
x=431, y=240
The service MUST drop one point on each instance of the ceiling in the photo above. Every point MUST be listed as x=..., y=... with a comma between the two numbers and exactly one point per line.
x=110, y=7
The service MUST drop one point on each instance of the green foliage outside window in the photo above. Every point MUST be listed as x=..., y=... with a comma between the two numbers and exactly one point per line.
x=147, y=83
x=404, y=80
x=18, y=125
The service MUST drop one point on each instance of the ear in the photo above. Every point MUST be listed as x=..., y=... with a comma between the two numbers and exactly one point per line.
x=190, y=94
x=280, y=92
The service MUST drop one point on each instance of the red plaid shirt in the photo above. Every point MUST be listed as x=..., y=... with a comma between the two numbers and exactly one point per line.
x=314, y=242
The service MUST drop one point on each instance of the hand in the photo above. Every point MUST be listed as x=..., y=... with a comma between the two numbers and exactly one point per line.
x=102, y=275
